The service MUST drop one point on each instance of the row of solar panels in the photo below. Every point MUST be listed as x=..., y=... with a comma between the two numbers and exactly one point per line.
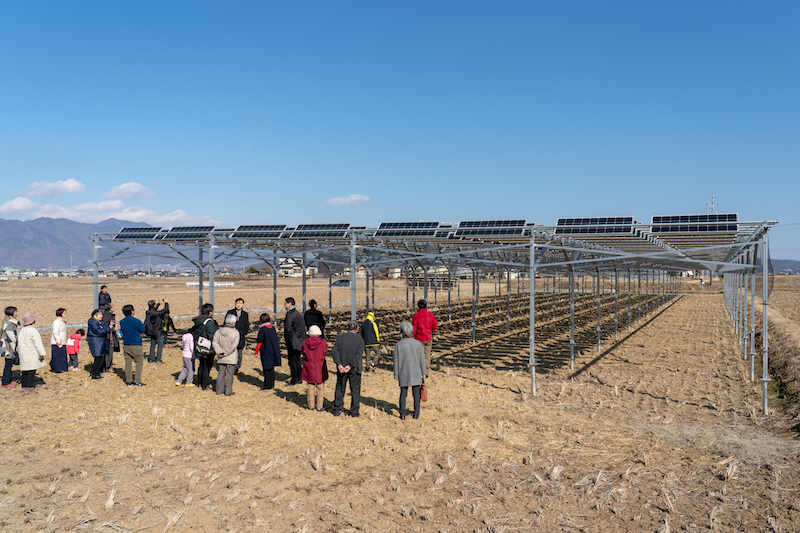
x=465, y=229
x=709, y=223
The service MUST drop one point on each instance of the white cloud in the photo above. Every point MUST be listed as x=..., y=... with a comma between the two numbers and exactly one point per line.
x=353, y=199
x=128, y=191
x=49, y=188
x=17, y=205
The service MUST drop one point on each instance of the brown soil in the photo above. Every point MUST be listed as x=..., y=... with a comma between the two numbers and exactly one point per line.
x=661, y=431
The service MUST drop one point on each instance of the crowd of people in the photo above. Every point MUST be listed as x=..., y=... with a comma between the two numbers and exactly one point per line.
x=206, y=345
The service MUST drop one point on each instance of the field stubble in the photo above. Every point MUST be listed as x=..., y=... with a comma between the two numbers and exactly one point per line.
x=660, y=432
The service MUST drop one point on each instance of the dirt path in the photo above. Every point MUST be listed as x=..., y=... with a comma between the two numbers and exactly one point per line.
x=661, y=433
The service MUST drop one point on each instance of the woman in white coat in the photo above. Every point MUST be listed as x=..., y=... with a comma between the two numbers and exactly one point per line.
x=58, y=342
x=31, y=351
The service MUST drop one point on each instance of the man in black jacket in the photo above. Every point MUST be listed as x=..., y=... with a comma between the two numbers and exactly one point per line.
x=154, y=326
x=347, y=353
x=314, y=317
x=294, y=333
x=242, y=326
x=103, y=298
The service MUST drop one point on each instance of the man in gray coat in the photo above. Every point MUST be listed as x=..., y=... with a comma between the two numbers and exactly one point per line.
x=347, y=354
x=409, y=367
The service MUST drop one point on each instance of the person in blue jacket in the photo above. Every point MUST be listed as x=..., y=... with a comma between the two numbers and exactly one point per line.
x=132, y=329
x=97, y=333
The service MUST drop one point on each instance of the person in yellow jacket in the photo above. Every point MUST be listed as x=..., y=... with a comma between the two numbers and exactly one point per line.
x=372, y=342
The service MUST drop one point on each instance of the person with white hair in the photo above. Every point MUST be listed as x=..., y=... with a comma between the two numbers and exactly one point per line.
x=409, y=367
x=30, y=350
x=346, y=353
x=315, y=371
x=226, y=346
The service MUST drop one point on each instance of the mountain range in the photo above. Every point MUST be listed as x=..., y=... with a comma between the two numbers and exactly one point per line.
x=60, y=243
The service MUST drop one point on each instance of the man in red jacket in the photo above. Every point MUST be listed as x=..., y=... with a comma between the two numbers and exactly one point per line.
x=424, y=324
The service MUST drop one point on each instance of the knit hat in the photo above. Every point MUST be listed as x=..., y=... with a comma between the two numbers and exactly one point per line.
x=28, y=319
x=314, y=331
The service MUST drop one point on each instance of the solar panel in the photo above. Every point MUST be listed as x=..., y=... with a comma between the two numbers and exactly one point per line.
x=706, y=223
x=188, y=232
x=319, y=231
x=489, y=228
x=319, y=227
x=137, y=233
x=407, y=229
x=596, y=226
x=259, y=232
x=490, y=223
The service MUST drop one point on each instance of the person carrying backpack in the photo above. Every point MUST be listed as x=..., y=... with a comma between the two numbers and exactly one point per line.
x=203, y=330
x=154, y=328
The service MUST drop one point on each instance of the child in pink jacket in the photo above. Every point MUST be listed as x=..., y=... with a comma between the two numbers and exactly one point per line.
x=73, y=347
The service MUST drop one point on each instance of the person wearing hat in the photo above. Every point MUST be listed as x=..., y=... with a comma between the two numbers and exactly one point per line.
x=424, y=324
x=225, y=344
x=31, y=351
x=315, y=371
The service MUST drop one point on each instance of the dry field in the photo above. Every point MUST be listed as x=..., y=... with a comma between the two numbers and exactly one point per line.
x=660, y=431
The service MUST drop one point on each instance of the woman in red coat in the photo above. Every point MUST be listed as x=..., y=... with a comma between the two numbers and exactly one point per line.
x=315, y=371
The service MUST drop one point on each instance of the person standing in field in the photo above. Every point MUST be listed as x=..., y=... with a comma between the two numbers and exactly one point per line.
x=9, y=345
x=187, y=349
x=31, y=351
x=372, y=342
x=294, y=334
x=268, y=350
x=97, y=339
x=242, y=326
x=315, y=371
x=154, y=327
x=132, y=329
x=74, y=347
x=226, y=340
x=424, y=324
x=203, y=330
x=346, y=355
x=58, y=343
x=314, y=317
x=113, y=341
x=103, y=298
x=409, y=368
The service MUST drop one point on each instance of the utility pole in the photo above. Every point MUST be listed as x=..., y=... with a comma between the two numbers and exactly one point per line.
x=713, y=204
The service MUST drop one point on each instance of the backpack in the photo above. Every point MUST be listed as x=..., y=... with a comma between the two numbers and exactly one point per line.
x=151, y=324
x=202, y=344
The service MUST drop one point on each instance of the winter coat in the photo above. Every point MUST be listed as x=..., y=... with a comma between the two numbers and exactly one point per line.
x=294, y=330
x=369, y=330
x=242, y=324
x=348, y=350
x=29, y=348
x=424, y=324
x=59, y=335
x=314, y=317
x=409, y=362
x=156, y=316
x=103, y=300
x=205, y=329
x=226, y=339
x=74, y=344
x=132, y=329
x=313, y=350
x=113, y=340
x=267, y=346
x=97, y=337
x=10, y=328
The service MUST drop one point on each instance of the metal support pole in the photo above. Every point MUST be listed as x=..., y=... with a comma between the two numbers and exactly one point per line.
x=275, y=270
x=426, y=283
x=744, y=314
x=532, y=360
x=353, y=267
x=765, y=379
x=597, y=290
x=753, y=318
x=553, y=283
x=303, y=268
x=414, y=289
x=211, y=270
x=474, y=310
x=639, y=294
x=449, y=290
x=616, y=304
x=408, y=280
x=629, y=300
x=435, y=287
x=508, y=302
x=571, y=319
x=366, y=285
x=200, y=278
x=96, y=274
x=330, y=294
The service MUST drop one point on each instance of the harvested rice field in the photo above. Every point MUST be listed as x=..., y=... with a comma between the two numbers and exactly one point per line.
x=661, y=430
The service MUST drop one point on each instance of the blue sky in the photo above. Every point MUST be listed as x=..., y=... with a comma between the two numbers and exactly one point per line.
x=177, y=113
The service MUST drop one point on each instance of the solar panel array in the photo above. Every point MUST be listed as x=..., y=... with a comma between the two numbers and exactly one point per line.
x=137, y=233
x=595, y=225
x=407, y=229
x=259, y=232
x=187, y=233
x=482, y=228
x=317, y=231
x=713, y=222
